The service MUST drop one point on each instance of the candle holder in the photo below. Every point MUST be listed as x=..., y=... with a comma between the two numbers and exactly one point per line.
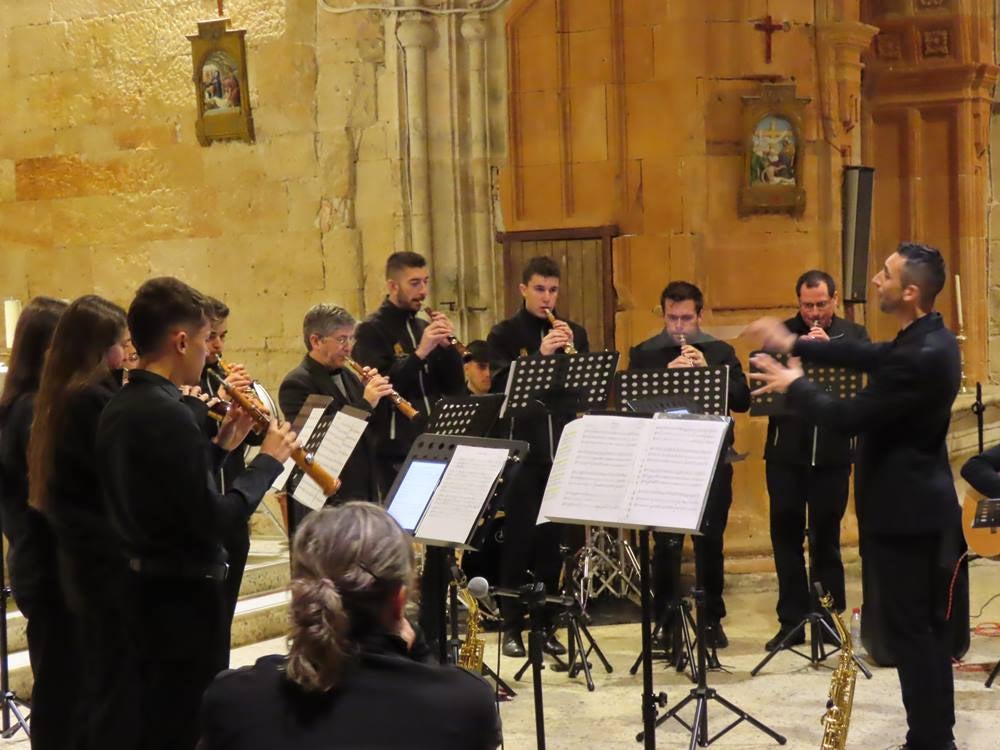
x=961, y=338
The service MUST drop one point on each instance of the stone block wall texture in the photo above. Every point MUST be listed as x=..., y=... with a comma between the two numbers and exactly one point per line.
x=103, y=183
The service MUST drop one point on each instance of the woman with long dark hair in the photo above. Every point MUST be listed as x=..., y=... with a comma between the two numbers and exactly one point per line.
x=356, y=675
x=31, y=549
x=77, y=383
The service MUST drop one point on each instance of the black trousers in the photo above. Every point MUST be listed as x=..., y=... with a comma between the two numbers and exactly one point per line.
x=237, y=544
x=56, y=710
x=708, y=550
x=823, y=491
x=913, y=588
x=526, y=545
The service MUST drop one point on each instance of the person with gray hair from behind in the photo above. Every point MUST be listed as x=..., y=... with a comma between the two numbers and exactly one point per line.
x=328, y=335
x=356, y=675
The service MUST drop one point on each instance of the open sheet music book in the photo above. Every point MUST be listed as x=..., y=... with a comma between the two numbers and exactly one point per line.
x=441, y=504
x=634, y=472
x=342, y=434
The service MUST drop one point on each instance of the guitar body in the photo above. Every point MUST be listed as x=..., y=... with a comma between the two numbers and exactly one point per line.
x=984, y=542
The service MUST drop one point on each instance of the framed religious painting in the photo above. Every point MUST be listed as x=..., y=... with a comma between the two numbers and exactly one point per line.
x=774, y=151
x=220, y=81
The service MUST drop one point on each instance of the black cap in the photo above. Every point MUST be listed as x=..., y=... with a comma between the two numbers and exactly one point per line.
x=478, y=352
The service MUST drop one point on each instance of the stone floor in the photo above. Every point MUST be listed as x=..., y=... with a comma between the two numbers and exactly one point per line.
x=788, y=695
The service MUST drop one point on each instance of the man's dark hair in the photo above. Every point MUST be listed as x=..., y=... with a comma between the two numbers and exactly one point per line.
x=478, y=352
x=217, y=309
x=812, y=279
x=161, y=304
x=678, y=291
x=401, y=261
x=540, y=265
x=924, y=268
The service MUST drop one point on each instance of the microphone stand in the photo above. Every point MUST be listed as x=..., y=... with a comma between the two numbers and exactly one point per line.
x=9, y=698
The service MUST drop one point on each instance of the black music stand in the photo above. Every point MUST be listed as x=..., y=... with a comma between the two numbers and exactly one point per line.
x=842, y=382
x=695, y=390
x=560, y=383
x=11, y=703
x=429, y=450
x=315, y=401
x=473, y=416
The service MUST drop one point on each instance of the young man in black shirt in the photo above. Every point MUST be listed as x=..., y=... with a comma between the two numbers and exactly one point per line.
x=419, y=360
x=908, y=512
x=157, y=468
x=683, y=344
x=527, y=546
x=808, y=467
x=328, y=334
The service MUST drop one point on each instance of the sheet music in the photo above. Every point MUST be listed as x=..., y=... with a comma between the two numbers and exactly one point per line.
x=339, y=442
x=624, y=471
x=459, y=498
x=304, y=434
x=597, y=468
x=672, y=482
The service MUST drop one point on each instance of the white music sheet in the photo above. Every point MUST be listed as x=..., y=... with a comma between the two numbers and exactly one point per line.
x=626, y=471
x=455, y=506
x=336, y=447
x=303, y=437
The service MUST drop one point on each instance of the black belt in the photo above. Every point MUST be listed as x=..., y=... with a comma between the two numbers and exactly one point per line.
x=179, y=569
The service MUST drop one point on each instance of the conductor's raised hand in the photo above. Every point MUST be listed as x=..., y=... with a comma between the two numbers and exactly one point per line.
x=279, y=441
x=554, y=340
x=776, y=377
x=234, y=428
x=771, y=334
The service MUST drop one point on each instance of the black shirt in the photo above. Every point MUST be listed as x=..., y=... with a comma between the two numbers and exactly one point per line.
x=31, y=551
x=800, y=442
x=521, y=336
x=388, y=701
x=981, y=472
x=159, y=486
x=903, y=478
x=310, y=377
x=387, y=340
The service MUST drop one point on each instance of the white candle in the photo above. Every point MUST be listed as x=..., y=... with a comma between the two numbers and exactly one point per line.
x=958, y=301
x=11, y=312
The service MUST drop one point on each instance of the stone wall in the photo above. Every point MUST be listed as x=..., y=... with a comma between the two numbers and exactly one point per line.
x=103, y=184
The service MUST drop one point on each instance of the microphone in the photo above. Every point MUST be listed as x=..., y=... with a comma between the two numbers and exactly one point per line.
x=480, y=588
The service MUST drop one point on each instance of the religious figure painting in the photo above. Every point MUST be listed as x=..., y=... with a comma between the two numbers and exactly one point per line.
x=220, y=79
x=772, y=159
x=773, y=152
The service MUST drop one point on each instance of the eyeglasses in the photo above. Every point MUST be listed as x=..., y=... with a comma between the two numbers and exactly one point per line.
x=341, y=340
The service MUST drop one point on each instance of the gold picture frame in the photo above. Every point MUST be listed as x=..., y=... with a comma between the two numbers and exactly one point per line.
x=773, y=152
x=222, y=95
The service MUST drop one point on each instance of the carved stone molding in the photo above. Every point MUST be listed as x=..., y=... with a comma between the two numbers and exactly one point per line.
x=889, y=46
x=935, y=42
x=840, y=46
x=931, y=4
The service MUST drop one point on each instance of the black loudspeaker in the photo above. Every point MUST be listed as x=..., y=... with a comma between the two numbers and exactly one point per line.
x=857, y=223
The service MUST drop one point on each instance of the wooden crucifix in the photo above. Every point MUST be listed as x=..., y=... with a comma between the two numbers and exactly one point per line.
x=768, y=26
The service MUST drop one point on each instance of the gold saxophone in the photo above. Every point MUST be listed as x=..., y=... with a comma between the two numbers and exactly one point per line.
x=837, y=719
x=470, y=655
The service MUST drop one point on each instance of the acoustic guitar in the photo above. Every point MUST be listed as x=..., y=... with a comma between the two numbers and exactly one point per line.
x=984, y=541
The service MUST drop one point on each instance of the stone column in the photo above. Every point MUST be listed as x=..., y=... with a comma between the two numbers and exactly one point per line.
x=474, y=33
x=416, y=35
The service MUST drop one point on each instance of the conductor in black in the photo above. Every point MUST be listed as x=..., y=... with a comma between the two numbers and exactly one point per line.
x=808, y=467
x=908, y=512
x=682, y=343
x=157, y=467
x=527, y=546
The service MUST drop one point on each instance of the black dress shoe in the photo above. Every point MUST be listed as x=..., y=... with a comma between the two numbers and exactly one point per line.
x=715, y=636
x=797, y=640
x=553, y=646
x=513, y=644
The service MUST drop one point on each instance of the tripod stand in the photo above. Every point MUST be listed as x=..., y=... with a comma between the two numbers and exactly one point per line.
x=702, y=694
x=11, y=703
x=605, y=563
x=819, y=630
x=676, y=626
